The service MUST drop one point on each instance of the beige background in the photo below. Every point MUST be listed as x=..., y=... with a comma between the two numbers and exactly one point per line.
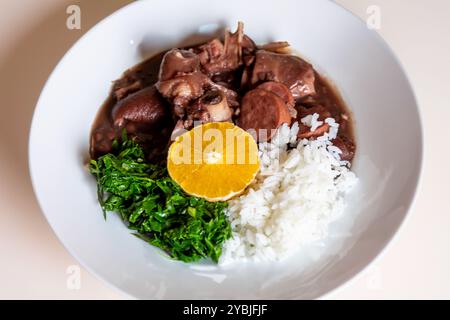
x=34, y=263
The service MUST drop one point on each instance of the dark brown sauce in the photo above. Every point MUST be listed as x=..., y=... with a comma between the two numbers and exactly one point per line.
x=156, y=140
x=329, y=96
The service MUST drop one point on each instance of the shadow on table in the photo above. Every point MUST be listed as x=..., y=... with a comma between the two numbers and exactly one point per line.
x=24, y=71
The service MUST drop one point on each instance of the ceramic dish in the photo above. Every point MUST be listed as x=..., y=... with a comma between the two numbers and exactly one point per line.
x=356, y=59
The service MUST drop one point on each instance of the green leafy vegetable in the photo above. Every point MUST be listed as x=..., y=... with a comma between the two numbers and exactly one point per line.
x=151, y=203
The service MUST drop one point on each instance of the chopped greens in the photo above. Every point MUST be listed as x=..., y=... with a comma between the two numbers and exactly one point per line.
x=151, y=203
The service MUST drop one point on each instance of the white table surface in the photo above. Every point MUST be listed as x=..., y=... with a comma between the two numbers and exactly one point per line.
x=34, y=263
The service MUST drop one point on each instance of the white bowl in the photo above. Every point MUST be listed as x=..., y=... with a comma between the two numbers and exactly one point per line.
x=372, y=82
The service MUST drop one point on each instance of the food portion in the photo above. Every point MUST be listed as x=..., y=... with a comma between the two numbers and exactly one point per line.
x=292, y=201
x=264, y=111
x=292, y=71
x=226, y=150
x=152, y=204
x=218, y=170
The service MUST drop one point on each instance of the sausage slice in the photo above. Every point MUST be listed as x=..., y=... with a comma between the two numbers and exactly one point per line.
x=283, y=92
x=263, y=111
x=280, y=90
x=297, y=74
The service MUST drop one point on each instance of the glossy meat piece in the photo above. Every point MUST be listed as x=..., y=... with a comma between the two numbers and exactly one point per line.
x=210, y=53
x=280, y=90
x=183, y=89
x=248, y=47
x=211, y=107
x=231, y=95
x=264, y=112
x=283, y=92
x=229, y=79
x=294, y=72
x=178, y=62
x=143, y=107
x=217, y=57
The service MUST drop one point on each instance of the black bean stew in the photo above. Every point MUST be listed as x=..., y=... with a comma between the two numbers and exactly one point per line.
x=258, y=87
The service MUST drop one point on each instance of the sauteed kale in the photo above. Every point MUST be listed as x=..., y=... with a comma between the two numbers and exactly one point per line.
x=152, y=204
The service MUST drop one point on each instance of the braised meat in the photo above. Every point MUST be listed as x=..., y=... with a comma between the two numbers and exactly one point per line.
x=218, y=58
x=292, y=71
x=183, y=89
x=283, y=92
x=177, y=62
x=188, y=90
x=258, y=87
x=211, y=107
x=263, y=112
x=145, y=107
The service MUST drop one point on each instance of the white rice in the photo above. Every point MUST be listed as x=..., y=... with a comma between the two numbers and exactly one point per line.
x=296, y=195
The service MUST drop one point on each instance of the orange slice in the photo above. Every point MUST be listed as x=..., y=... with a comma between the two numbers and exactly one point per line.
x=215, y=161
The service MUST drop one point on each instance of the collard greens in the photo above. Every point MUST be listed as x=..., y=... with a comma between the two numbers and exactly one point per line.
x=151, y=203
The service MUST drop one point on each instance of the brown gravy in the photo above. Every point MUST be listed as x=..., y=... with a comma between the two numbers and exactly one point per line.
x=155, y=140
x=329, y=96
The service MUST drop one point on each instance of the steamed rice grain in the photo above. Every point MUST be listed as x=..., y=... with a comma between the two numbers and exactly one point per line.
x=296, y=195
